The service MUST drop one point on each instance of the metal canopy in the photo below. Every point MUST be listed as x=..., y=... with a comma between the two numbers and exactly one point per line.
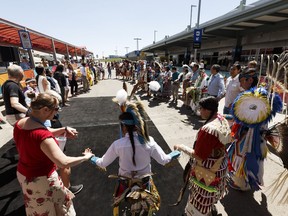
x=261, y=16
x=9, y=37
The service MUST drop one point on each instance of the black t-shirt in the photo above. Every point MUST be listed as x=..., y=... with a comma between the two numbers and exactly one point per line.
x=60, y=79
x=12, y=89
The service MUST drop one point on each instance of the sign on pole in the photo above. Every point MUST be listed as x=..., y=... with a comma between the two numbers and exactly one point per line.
x=197, y=39
x=25, y=39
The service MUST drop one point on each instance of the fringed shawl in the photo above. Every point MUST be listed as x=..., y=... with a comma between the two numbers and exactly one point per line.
x=220, y=128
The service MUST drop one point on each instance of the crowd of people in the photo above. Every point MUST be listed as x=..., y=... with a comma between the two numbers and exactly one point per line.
x=32, y=109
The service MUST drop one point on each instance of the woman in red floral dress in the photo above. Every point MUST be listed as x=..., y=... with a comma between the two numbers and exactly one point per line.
x=39, y=157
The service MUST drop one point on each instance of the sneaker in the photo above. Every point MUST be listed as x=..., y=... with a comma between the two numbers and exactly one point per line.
x=76, y=189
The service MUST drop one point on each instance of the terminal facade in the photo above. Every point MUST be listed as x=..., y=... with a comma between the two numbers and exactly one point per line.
x=243, y=34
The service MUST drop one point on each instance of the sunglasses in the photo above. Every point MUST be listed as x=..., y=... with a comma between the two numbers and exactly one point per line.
x=56, y=108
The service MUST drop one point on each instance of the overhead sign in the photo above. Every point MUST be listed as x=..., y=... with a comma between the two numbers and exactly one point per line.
x=197, y=39
x=137, y=52
x=25, y=39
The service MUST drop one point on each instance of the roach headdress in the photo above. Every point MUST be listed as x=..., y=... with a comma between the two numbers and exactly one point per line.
x=138, y=113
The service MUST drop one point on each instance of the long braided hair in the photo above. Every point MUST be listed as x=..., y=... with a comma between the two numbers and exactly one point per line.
x=134, y=120
x=125, y=117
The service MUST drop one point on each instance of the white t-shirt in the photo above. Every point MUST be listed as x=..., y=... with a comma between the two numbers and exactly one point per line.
x=233, y=88
x=122, y=148
x=83, y=71
x=40, y=84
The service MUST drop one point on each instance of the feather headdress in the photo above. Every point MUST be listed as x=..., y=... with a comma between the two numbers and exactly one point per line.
x=137, y=111
x=139, y=116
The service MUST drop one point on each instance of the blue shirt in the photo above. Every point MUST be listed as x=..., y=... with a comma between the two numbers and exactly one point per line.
x=216, y=85
x=194, y=76
x=24, y=65
x=175, y=75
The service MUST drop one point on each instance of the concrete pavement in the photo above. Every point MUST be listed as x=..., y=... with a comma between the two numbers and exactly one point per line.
x=177, y=125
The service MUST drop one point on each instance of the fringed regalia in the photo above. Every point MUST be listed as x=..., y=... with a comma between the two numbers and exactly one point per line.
x=167, y=85
x=208, y=176
x=136, y=187
x=252, y=110
x=141, y=193
x=196, y=92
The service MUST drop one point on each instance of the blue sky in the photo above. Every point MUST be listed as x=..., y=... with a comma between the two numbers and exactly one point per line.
x=106, y=27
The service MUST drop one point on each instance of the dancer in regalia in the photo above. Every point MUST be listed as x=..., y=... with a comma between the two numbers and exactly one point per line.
x=252, y=110
x=134, y=150
x=207, y=173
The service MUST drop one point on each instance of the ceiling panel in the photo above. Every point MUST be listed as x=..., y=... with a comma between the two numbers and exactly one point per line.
x=271, y=18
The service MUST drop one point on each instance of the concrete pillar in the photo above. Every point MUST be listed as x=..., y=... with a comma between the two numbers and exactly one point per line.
x=67, y=51
x=76, y=54
x=166, y=55
x=54, y=50
x=236, y=52
x=257, y=54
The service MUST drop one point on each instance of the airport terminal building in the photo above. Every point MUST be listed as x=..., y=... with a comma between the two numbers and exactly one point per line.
x=243, y=34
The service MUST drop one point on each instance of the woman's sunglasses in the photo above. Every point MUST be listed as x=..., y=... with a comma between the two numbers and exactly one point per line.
x=56, y=108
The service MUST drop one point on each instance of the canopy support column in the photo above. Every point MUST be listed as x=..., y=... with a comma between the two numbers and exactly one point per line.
x=54, y=50
x=67, y=51
x=76, y=54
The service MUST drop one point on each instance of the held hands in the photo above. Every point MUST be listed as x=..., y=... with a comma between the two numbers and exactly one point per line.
x=184, y=149
x=174, y=154
x=93, y=160
x=71, y=133
x=178, y=147
x=88, y=153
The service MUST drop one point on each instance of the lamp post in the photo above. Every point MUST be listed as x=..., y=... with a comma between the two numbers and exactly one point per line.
x=137, y=40
x=154, y=37
x=116, y=51
x=126, y=49
x=199, y=9
x=197, y=26
x=191, y=14
x=242, y=4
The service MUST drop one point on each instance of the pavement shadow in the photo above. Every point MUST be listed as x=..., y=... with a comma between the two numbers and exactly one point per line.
x=7, y=200
x=193, y=120
x=11, y=200
x=238, y=203
x=153, y=102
